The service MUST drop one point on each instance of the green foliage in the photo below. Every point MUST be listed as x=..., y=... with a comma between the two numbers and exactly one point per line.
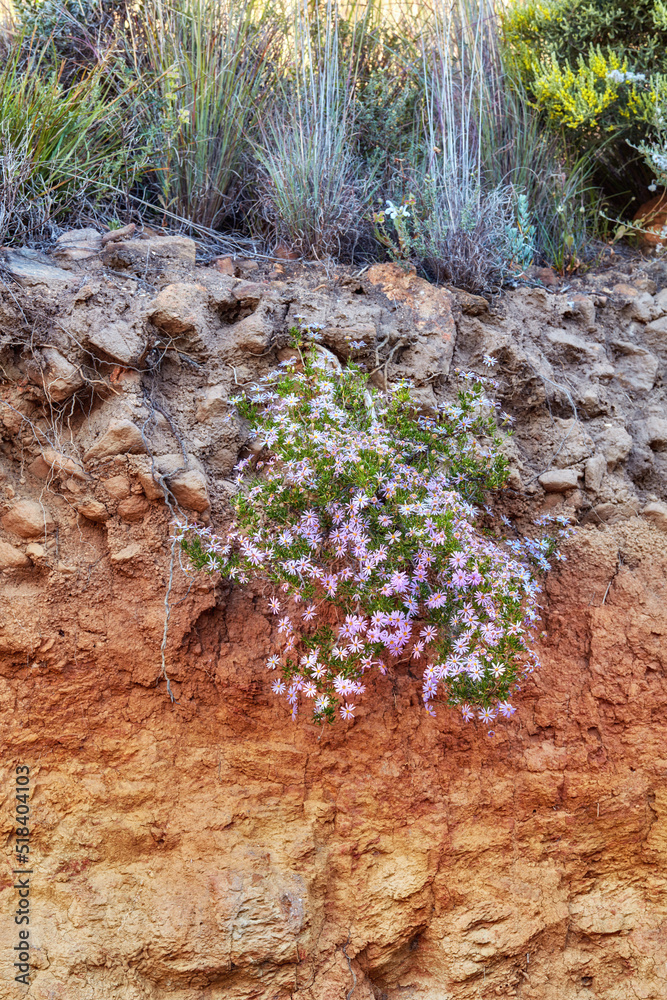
x=360, y=513
x=78, y=33
x=595, y=70
x=208, y=74
x=61, y=148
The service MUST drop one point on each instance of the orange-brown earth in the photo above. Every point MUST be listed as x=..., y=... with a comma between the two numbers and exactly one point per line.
x=211, y=848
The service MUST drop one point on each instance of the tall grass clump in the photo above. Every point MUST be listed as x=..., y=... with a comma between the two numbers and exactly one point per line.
x=491, y=192
x=209, y=65
x=314, y=188
x=62, y=148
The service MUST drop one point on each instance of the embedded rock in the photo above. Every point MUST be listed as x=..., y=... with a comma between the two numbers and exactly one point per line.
x=159, y=257
x=92, y=509
x=61, y=379
x=120, y=340
x=637, y=369
x=121, y=437
x=573, y=346
x=213, y=404
x=143, y=469
x=11, y=557
x=133, y=508
x=616, y=445
x=655, y=430
x=32, y=270
x=50, y=463
x=655, y=335
x=117, y=487
x=595, y=468
x=657, y=513
x=559, y=480
x=78, y=244
x=431, y=311
x=28, y=519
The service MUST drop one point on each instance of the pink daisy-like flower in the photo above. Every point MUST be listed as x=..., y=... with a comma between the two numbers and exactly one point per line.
x=274, y=605
x=347, y=711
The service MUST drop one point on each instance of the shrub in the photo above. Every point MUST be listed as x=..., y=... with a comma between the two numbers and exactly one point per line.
x=594, y=69
x=77, y=32
x=361, y=514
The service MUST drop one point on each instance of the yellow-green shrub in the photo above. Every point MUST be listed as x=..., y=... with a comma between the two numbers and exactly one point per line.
x=596, y=70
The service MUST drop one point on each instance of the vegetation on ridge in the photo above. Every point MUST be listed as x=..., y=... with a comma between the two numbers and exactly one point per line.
x=467, y=141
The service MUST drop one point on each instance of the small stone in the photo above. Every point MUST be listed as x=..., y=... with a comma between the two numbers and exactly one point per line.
x=642, y=308
x=28, y=519
x=616, y=445
x=121, y=437
x=78, y=244
x=12, y=558
x=637, y=371
x=657, y=513
x=661, y=301
x=577, y=348
x=93, y=510
x=187, y=485
x=177, y=309
x=133, y=508
x=117, y=487
x=131, y=551
x=213, y=404
x=120, y=341
x=52, y=463
x=656, y=433
x=190, y=490
x=152, y=489
x=118, y=234
x=622, y=288
x=655, y=334
x=584, y=307
x=155, y=257
x=247, y=266
x=613, y=512
x=559, y=480
x=595, y=468
x=31, y=268
x=546, y=275
x=60, y=378
x=283, y=252
x=35, y=551
x=471, y=305
x=225, y=265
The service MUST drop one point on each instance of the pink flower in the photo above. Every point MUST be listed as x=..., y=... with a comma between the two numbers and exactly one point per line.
x=347, y=711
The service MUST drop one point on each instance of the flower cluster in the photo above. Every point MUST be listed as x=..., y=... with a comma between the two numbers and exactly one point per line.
x=363, y=515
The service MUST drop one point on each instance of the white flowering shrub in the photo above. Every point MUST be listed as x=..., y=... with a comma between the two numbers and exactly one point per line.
x=362, y=516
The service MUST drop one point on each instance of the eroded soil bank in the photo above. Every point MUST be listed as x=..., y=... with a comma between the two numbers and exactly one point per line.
x=211, y=849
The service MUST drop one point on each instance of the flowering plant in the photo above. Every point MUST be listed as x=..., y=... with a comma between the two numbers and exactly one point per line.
x=407, y=243
x=361, y=513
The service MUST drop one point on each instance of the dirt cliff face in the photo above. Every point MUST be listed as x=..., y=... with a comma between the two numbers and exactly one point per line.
x=210, y=848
